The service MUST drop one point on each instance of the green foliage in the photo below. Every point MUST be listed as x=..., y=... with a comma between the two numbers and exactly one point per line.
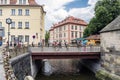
x=86, y=32
x=105, y=12
x=47, y=35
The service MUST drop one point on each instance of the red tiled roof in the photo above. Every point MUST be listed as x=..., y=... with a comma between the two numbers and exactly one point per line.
x=71, y=20
x=93, y=37
x=31, y=2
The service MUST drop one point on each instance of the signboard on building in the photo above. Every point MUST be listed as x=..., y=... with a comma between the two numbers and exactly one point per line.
x=0, y=40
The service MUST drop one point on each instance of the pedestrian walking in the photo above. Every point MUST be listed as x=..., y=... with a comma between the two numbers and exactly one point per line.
x=77, y=43
x=60, y=44
x=32, y=44
x=65, y=43
x=10, y=43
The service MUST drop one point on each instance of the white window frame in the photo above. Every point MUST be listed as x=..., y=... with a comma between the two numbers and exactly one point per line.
x=13, y=25
x=12, y=11
x=5, y=1
x=26, y=38
x=27, y=25
x=12, y=38
x=19, y=25
x=24, y=1
x=27, y=12
x=20, y=1
x=19, y=12
x=0, y=12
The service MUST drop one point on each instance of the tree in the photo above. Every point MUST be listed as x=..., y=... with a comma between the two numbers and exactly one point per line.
x=47, y=35
x=105, y=12
x=86, y=32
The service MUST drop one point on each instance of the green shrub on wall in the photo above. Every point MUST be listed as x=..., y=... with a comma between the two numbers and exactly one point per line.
x=102, y=75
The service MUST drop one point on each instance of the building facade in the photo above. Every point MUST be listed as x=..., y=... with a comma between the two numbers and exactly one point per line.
x=110, y=43
x=27, y=20
x=67, y=30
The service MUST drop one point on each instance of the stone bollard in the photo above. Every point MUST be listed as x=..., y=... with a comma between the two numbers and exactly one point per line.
x=28, y=78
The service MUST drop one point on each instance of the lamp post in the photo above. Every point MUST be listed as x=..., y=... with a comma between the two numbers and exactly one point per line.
x=8, y=21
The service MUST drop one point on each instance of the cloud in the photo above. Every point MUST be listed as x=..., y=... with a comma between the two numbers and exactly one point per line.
x=56, y=11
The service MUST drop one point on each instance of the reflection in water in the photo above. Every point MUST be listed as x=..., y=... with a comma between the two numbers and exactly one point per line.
x=47, y=68
x=84, y=74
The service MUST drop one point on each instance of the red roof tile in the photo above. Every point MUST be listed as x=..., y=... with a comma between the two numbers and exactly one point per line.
x=31, y=2
x=71, y=20
x=93, y=37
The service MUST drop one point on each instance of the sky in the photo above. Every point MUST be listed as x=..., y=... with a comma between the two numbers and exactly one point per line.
x=57, y=10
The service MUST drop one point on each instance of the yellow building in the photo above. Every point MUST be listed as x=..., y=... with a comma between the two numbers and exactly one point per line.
x=27, y=20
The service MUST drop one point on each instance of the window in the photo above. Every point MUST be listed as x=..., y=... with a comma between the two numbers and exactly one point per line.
x=12, y=38
x=75, y=27
x=80, y=27
x=26, y=25
x=24, y=1
x=64, y=35
x=20, y=25
x=20, y=38
x=64, y=27
x=13, y=25
x=80, y=34
x=27, y=12
x=72, y=27
x=12, y=11
x=72, y=34
x=0, y=12
x=20, y=1
x=5, y=1
x=26, y=38
x=1, y=32
x=19, y=11
x=76, y=34
x=60, y=29
x=60, y=35
x=1, y=1
x=0, y=24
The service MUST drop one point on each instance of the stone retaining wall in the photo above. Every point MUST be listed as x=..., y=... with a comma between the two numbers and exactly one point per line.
x=21, y=66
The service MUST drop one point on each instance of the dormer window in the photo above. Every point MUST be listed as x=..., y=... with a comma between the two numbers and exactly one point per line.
x=3, y=1
x=22, y=1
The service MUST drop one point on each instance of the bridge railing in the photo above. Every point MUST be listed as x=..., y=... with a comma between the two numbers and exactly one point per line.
x=64, y=49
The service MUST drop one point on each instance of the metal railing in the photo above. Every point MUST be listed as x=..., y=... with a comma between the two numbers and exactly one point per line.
x=65, y=49
x=15, y=51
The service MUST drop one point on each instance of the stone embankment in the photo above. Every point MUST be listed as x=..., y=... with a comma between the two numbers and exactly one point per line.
x=9, y=74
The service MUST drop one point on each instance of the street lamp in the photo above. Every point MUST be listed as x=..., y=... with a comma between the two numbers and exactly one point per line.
x=8, y=21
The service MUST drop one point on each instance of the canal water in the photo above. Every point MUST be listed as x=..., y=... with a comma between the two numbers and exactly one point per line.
x=83, y=74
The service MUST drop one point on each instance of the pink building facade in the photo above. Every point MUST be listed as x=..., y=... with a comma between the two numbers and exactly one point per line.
x=68, y=29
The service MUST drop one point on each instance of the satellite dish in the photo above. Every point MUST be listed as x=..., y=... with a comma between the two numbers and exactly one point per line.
x=28, y=78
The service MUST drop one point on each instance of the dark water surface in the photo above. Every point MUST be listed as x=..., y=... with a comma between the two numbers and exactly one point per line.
x=84, y=74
